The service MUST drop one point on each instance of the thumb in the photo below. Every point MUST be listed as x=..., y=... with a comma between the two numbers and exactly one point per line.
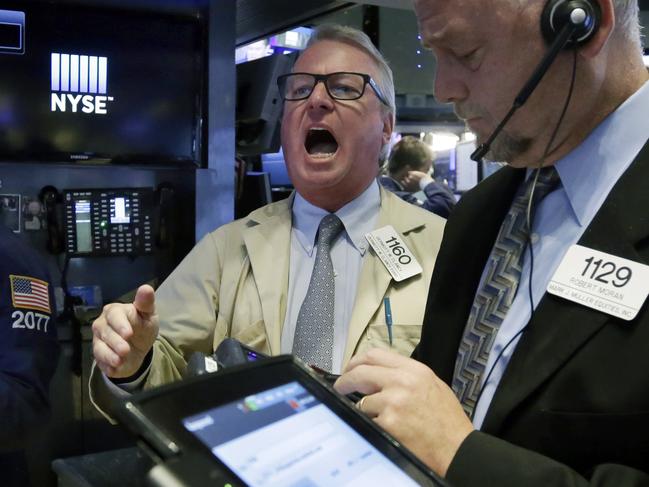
x=144, y=301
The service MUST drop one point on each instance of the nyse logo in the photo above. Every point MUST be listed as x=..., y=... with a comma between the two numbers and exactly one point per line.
x=79, y=83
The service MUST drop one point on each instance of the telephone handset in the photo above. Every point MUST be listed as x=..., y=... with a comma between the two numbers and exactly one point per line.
x=53, y=204
x=166, y=216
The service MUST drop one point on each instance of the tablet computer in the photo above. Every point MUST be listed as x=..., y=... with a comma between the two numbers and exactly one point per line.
x=266, y=423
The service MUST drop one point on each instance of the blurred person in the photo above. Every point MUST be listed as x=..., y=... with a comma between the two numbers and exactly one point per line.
x=29, y=353
x=410, y=176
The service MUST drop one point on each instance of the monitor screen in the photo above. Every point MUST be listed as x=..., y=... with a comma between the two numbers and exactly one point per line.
x=83, y=83
x=83, y=224
x=259, y=105
x=444, y=168
x=286, y=436
x=275, y=165
x=466, y=169
x=487, y=168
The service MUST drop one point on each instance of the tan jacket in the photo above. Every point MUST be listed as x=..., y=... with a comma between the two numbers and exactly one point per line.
x=234, y=283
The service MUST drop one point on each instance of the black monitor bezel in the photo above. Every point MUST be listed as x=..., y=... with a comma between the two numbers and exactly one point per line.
x=160, y=412
x=196, y=155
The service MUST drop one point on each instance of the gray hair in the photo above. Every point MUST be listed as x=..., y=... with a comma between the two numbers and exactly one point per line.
x=628, y=19
x=355, y=37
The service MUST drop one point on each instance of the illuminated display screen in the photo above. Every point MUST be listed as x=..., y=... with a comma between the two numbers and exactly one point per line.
x=286, y=436
x=120, y=210
x=83, y=225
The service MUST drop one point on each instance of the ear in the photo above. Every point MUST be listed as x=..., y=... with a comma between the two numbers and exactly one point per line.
x=388, y=126
x=604, y=31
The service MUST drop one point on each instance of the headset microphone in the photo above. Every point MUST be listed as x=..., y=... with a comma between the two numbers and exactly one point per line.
x=580, y=20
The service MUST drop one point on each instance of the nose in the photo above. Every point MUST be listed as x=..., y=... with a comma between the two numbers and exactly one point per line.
x=320, y=98
x=450, y=86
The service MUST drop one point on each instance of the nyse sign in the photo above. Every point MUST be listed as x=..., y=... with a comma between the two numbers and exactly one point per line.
x=79, y=83
x=61, y=102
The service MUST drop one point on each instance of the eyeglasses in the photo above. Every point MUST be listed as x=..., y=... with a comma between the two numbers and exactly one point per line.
x=340, y=86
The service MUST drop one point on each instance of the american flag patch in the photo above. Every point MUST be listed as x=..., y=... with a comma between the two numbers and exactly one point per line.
x=30, y=293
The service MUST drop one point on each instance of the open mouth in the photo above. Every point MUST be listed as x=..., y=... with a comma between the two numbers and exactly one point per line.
x=320, y=143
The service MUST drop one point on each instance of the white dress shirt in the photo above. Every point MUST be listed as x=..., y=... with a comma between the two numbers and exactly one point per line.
x=359, y=217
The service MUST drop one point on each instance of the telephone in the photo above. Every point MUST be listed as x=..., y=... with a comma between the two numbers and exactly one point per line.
x=109, y=221
x=102, y=222
x=229, y=352
x=232, y=352
x=166, y=216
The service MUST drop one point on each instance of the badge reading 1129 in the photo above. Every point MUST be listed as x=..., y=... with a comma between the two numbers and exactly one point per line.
x=601, y=281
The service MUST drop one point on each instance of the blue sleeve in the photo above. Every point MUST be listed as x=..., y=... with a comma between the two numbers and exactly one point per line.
x=391, y=185
x=439, y=199
x=28, y=345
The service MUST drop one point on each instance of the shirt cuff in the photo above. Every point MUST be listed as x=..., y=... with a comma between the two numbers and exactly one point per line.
x=134, y=382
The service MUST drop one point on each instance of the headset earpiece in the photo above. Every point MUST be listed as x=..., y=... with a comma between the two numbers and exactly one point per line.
x=564, y=23
x=585, y=13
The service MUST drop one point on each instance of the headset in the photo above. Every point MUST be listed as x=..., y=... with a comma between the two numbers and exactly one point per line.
x=564, y=23
x=585, y=15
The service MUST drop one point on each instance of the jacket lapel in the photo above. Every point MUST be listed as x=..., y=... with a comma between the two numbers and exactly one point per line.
x=267, y=238
x=560, y=327
x=375, y=278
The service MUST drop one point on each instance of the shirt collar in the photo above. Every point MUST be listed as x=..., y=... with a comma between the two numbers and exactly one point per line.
x=589, y=172
x=358, y=217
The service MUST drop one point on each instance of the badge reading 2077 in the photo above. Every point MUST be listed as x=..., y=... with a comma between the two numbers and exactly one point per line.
x=601, y=281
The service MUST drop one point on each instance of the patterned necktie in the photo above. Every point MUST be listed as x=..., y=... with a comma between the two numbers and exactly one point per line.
x=494, y=298
x=314, y=329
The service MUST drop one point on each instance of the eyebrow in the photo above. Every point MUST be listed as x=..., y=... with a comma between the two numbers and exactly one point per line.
x=446, y=38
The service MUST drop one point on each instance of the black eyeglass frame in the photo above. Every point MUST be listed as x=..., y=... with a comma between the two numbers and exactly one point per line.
x=322, y=78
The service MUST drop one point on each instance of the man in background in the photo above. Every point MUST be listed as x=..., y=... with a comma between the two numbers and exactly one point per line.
x=532, y=366
x=410, y=176
x=29, y=353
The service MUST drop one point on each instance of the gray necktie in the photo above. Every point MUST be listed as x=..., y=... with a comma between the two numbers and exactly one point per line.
x=494, y=298
x=314, y=329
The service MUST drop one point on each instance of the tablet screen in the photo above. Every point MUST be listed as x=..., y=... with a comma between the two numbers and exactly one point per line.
x=284, y=436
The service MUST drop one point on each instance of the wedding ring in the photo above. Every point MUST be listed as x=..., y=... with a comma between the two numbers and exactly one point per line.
x=359, y=404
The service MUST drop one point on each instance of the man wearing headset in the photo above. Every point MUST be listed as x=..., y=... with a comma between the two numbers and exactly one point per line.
x=562, y=395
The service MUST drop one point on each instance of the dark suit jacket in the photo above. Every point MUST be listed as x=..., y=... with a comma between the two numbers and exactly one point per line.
x=573, y=404
x=28, y=357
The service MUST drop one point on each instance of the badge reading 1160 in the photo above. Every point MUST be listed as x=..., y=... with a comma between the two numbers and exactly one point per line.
x=394, y=253
x=398, y=250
